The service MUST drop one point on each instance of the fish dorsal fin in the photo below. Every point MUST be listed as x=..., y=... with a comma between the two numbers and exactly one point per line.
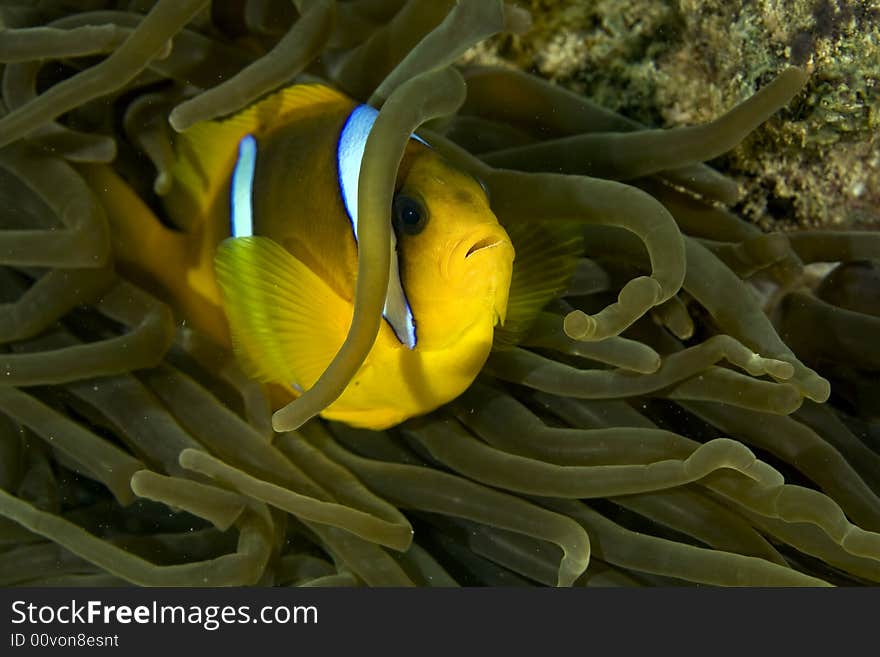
x=206, y=152
x=546, y=256
x=287, y=324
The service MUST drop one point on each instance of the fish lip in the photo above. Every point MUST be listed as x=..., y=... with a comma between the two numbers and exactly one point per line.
x=481, y=241
x=487, y=242
x=468, y=250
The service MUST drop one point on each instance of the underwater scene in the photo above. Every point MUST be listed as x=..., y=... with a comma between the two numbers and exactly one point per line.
x=439, y=293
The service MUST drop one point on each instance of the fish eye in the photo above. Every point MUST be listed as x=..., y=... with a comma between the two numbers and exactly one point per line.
x=409, y=215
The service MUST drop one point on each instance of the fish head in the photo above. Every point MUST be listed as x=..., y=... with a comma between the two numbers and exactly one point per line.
x=456, y=259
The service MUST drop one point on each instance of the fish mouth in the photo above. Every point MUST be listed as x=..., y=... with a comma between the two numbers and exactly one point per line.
x=482, y=241
x=467, y=254
x=487, y=242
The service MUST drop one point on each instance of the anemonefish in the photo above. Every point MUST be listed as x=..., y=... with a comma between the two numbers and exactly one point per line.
x=269, y=263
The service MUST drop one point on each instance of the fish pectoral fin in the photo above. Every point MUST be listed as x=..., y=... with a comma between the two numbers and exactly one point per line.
x=287, y=324
x=546, y=256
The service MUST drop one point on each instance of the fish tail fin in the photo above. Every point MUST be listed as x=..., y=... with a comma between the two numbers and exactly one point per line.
x=140, y=241
x=153, y=255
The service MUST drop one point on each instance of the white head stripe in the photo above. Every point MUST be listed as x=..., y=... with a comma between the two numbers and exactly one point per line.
x=242, y=214
x=397, y=310
x=349, y=155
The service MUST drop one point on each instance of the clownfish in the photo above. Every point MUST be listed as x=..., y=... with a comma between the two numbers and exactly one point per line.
x=268, y=262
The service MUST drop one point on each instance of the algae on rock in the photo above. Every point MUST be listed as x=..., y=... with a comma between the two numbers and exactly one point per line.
x=681, y=62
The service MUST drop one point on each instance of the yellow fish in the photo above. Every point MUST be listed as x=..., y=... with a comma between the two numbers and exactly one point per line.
x=269, y=263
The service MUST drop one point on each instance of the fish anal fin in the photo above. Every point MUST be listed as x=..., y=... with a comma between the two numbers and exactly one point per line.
x=286, y=323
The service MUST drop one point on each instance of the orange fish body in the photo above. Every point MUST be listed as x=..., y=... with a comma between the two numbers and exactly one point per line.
x=281, y=289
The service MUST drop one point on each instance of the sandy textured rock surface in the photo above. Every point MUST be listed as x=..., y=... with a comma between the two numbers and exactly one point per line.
x=678, y=62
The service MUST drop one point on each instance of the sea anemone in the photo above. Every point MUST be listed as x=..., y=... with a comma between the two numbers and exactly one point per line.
x=665, y=419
